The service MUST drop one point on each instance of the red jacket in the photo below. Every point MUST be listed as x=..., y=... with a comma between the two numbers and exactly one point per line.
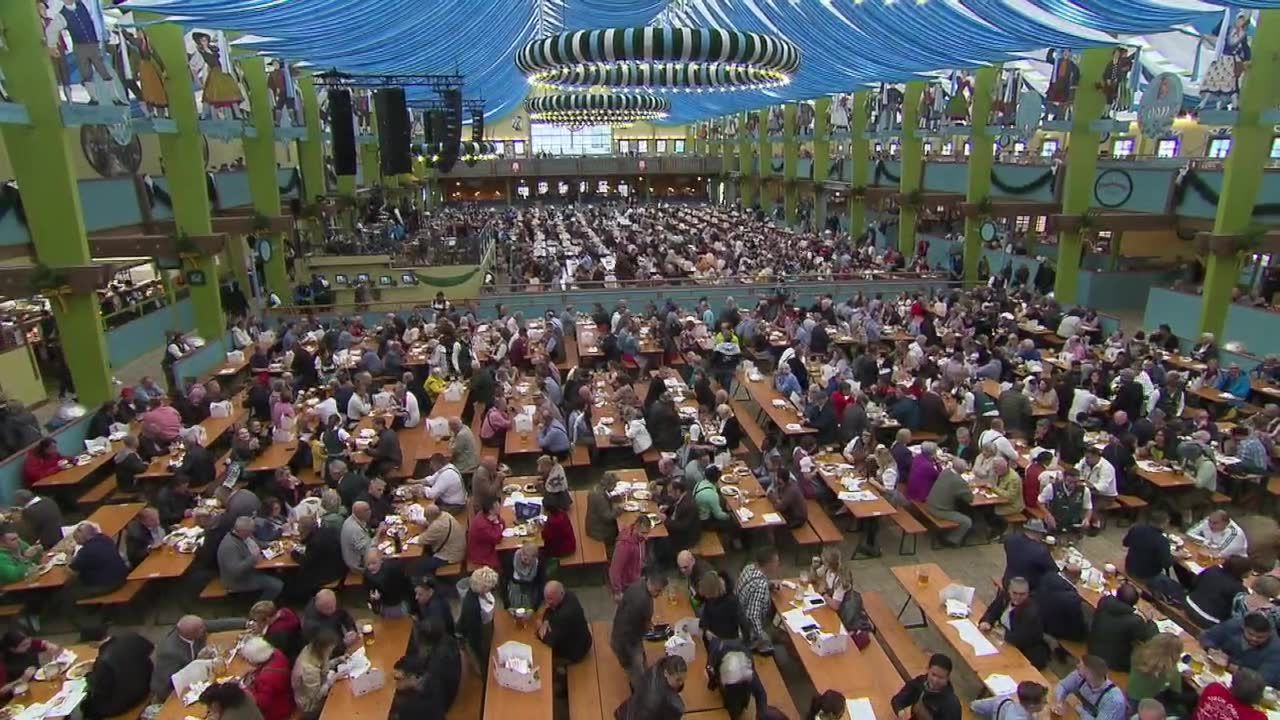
x=272, y=688
x=483, y=536
x=1031, y=485
x=37, y=467
x=1217, y=703
x=557, y=536
x=628, y=560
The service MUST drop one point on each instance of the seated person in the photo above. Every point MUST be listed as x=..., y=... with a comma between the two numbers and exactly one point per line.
x=1021, y=624
x=1238, y=703
x=1247, y=642
x=1220, y=535
x=1068, y=502
x=1100, y=699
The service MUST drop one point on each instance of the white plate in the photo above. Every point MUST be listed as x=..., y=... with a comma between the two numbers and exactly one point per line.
x=794, y=427
x=641, y=494
x=779, y=403
x=606, y=421
x=730, y=491
x=717, y=440
x=508, y=532
x=631, y=506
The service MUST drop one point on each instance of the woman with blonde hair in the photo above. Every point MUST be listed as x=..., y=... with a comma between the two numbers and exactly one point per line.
x=280, y=626
x=311, y=676
x=887, y=476
x=720, y=614
x=475, y=619
x=1153, y=672
x=833, y=579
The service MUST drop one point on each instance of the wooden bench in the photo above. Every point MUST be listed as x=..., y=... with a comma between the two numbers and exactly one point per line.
x=615, y=687
x=98, y=493
x=822, y=524
x=215, y=590
x=8, y=611
x=751, y=428
x=708, y=545
x=906, y=656
x=570, y=354
x=774, y=686
x=579, y=456
x=590, y=551
x=309, y=477
x=932, y=521
x=909, y=528
x=469, y=701
x=652, y=456
x=121, y=596
x=919, y=436
x=1127, y=508
x=584, y=684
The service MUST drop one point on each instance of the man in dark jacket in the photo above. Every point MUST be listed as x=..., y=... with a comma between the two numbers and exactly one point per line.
x=41, y=518
x=931, y=691
x=564, y=625
x=198, y=465
x=657, y=695
x=121, y=676
x=684, y=528
x=933, y=414
x=631, y=622
x=1026, y=556
x=1060, y=605
x=1149, y=553
x=319, y=559
x=1118, y=628
x=1023, y=627
x=444, y=666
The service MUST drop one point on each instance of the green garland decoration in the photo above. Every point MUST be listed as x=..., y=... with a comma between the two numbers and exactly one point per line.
x=261, y=222
x=883, y=171
x=295, y=180
x=1026, y=189
x=46, y=280
x=450, y=281
x=11, y=201
x=1193, y=181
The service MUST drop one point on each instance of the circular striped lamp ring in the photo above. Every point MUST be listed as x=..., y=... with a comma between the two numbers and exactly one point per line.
x=578, y=109
x=672, y=58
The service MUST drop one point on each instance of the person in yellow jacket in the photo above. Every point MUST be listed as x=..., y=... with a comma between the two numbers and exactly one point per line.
x=435, y=383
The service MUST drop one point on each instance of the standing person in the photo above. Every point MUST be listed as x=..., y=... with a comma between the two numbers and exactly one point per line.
x=929, y=696
x=1118, y=628
x=754, y=589
x=475, y=619
x=629, y=555
x=656, y=695
x=631, y=622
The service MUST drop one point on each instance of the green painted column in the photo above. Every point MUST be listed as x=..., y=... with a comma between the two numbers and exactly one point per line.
x=1081, y=165
x=746, y=189
x=790, y=153
x=42, y=164
x=260, y=157
x=311, y=150
x=912, y=149
x=860, y=160
x=821, y=159
x=764, y=164
x=184, y=171
x=1242, y=175
x=978, y=184
x=691, y=139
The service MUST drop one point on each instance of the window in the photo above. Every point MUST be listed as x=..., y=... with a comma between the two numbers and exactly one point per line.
x=1019, y=147
x=519, y=147
x=894, y=147
x=968, y=148
x=1275, y=148
x=642, y=146
x=661, y=146
x=1122, y=148
x=1022, y=223
x=928, y=149
x=1167, y=148
x=497, y=147
x=1219, y=147
x=948, y=149
x=1048, y=148
x=879, y=147
x=624, y=147
x=556, y=140
x=679, y=146
x=1042, y=223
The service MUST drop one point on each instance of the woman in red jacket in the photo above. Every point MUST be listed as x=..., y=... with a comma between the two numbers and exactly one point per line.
x=483, y=536
x=41, y=462
x=270, y=681
x=628, y=555
x=557, y=534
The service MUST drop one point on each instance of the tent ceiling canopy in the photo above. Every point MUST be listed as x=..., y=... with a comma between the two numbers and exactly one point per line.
x=843, y=45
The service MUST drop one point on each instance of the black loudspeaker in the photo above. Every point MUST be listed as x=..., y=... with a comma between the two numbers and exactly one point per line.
x=394, y=131
x=477, y=125
x=343, y=126
x=451, y=138
x=429, y=120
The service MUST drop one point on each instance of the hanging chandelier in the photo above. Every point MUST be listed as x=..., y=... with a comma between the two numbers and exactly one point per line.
x=580, y=109
x=678, y=59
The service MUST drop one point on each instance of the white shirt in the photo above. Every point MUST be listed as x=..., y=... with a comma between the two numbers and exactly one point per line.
x=889, y=477
x=240, y=338
x=326, y=409
x=1100, y=477
x=1046, y=494
x=1068, y=326
x=638, y=433
x=1082, y=401
x=411, y=407
x=1003, y=446
x=357, y=408
x=445, y=486
x=1231, y=541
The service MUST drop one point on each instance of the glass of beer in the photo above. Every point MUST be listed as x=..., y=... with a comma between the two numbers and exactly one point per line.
x=922, y=576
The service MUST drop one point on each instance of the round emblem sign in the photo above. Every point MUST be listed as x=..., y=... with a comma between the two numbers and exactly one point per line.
x=1113, y=188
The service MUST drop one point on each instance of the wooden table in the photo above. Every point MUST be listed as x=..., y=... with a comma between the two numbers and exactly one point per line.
x=1165, y=479
x=627, y=517
x=173, y=709
x=277, y=455
x=43, y=690
x=77, y=474
x=1184, y=363
x=856, y=673
x=861, y=509
x=1008, y=661
x=503, y=703
x=163, y=562
x=522, y=443
x=671, y=608
x=508, y=515
x=426, y=446
x=228, y=368
x=388, y=644
x=763, y=394
x=758, y=503
x=1263, y=387
x=112, y=519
